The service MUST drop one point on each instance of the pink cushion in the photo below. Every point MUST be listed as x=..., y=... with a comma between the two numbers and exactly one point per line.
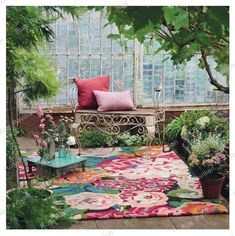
x=114, y=101
x=86, y=98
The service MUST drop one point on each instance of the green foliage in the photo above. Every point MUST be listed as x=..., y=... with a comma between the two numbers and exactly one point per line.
x=100, y=139
x=189, y=122
x=38, y=73
x=174, y=128
x=182, y=15
x=182, y=31
x=31, y=208
x=212, y=142
x=126, y=139
x=95, y=139
x=10, y=149
x=27, y=28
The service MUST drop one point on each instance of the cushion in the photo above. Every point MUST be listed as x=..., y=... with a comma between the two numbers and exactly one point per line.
x=86, y=98
x=114, y=101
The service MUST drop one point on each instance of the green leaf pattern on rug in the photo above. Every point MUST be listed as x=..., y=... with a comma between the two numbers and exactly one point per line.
x=183, y=193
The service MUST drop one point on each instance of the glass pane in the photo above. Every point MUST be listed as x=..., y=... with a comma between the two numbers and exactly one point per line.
x=95, y=66
x=61, y=36
x=84, y=67
x=85, y=39
x=95, y=33
x=73, y=66
x=73, y=37
x=106, y=42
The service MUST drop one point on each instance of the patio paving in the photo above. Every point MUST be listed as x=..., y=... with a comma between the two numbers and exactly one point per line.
x=215, y=221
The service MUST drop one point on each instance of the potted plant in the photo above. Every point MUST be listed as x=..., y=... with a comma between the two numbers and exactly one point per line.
x=207, y=161
x=191, y=125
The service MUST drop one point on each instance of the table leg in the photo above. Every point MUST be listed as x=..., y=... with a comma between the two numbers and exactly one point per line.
x=83, y=167
x=30, y=167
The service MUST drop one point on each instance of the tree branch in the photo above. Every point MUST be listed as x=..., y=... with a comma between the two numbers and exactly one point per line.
x=213, y=81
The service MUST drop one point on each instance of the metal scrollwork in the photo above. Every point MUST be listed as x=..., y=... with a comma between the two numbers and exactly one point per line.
x=113, y=123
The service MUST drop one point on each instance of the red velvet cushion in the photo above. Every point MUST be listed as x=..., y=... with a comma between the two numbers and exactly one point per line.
x=86, y=98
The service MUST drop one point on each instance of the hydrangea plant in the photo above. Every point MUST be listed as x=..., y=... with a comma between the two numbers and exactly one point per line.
x=207, y=158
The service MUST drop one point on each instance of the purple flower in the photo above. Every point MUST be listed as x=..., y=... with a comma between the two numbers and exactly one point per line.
x=216, y=159
x=221, y=156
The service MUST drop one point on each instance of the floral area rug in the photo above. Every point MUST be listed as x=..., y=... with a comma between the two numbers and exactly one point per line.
x=130, y=182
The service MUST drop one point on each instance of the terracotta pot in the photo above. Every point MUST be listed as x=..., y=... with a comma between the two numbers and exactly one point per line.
x=211, y=187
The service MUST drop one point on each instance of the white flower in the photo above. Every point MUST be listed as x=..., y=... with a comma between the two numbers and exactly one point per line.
x=202, y=121
x=184, y=133
x=56, y=139
x=71, y=140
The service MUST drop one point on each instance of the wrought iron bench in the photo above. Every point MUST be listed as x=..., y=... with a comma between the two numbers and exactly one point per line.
x=150, y=122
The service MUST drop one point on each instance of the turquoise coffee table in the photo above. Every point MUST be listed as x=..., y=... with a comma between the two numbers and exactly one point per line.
x=58, y=166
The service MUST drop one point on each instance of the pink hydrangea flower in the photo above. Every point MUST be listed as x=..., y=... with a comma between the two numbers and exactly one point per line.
x=39, y=111
x=42, y=120
x=216, y=159
x=221, y=156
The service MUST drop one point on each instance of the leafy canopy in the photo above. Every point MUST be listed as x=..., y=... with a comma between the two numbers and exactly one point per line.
x=182, y=31
x=28, y=27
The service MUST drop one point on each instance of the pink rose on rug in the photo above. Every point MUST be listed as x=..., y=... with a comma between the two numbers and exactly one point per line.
x=116, y=165
x=147, y=199
x=126, y=186
x=114, y=101
x=93, y=201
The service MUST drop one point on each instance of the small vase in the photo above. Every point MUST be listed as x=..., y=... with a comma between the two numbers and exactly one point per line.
x=211, y=187
x=51, y=150
x=62, y=151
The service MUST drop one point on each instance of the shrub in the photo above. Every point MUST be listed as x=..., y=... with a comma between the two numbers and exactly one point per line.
x=126, y=139
x=96, y=139
x=100, y=139
x=192, y=124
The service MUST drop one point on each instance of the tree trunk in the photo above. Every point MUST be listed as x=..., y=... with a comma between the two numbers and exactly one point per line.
x=11, y=125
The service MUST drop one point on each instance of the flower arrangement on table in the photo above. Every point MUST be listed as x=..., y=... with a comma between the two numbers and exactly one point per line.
x=52, y=133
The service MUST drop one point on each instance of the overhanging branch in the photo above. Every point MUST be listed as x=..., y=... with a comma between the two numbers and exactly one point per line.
x=213, y=81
